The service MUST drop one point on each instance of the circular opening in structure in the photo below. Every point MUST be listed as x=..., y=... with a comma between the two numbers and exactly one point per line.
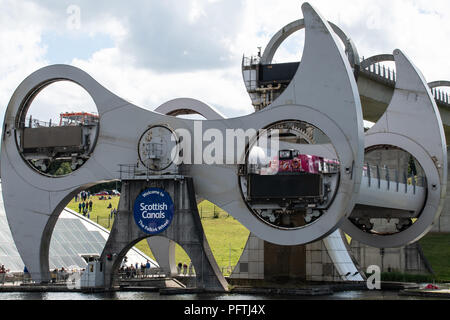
x=291, y=175
x=397, y=185
x=281, y=61
x=58, y=129
x=291, y=50
x=158, y=148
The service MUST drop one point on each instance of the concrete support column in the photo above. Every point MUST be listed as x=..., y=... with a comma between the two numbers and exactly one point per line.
x=186, y=230
x=443, y=224
x=163, y=250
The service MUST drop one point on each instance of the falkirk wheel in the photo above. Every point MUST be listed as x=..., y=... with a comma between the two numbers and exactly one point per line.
x=312, y=178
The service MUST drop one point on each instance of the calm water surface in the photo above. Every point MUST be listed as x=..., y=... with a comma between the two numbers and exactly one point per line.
x=349, y=295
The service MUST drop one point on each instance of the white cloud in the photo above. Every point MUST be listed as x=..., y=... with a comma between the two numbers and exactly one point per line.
x=169, y=49
x=21, y=49
x=196, y=11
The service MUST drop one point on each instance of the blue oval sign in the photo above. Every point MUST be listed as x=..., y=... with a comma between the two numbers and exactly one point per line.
x=153, y=211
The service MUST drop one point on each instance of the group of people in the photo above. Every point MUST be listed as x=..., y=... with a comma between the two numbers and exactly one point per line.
x=85, y=208
x=182, y=269
x=3, y=269
x=113, y=212
x=59, y=275
x=135, y=271
x=83, y=196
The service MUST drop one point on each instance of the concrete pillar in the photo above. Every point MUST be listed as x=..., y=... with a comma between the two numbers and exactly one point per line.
x=284, y=262
x=443, y=224
x=186, y=230
x=409, y=259
x=163, y=250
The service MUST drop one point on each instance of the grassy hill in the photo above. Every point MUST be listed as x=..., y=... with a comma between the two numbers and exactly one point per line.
x=226, y=236
x=436, y=247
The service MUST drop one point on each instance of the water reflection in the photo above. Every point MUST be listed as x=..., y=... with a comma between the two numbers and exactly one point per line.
x=348, y=295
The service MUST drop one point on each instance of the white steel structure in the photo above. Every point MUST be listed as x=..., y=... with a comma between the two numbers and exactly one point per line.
x=321, y=103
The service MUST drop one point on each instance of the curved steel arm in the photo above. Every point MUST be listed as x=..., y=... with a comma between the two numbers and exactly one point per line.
x=322, y=93
x=298, y=25
x=412, y=107
x=181, y=106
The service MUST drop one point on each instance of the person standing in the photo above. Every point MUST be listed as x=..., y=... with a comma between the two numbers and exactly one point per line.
x=25, y=274
x=90, y=205
x=79, y=207
x=147, y=268
x=3, y=272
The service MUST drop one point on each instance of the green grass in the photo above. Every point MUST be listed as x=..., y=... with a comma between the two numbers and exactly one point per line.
x=436, y=247
x=100, y=211
x=404, y=277
x=222, y=231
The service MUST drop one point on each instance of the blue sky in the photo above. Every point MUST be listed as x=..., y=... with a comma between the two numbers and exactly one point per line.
x=64, y=47
x=152, y=51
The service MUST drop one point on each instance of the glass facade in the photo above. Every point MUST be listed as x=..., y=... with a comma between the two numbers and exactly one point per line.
x=73, y=237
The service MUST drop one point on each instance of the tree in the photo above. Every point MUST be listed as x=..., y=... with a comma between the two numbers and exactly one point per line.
x=59, y=168
x=412, y=169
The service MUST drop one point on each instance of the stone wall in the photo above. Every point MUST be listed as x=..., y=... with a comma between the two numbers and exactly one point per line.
x=409, y=259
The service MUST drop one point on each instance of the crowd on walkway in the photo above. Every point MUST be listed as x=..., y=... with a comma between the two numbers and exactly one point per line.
x=85, y=208
x=85, y=204
x=139, y=271
x=132, y=271
x=184, y=270
x=62, y=275
x=135, y=271
x=83, y=196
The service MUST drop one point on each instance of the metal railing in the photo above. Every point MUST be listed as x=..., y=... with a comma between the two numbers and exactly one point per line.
x=441, y=96
x=212, y=212
x=396, y=180
x=382, y=72
x=140, y=172
x=35, y=123
x=377, y=70
x=56, y=278
x=134, y=274
x=389, y=75
x=250, y=61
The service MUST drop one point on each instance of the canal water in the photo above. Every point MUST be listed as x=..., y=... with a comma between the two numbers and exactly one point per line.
x=348, y=295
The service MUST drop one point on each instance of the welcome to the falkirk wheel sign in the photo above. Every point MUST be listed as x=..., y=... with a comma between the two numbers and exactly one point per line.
x=153, y=211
